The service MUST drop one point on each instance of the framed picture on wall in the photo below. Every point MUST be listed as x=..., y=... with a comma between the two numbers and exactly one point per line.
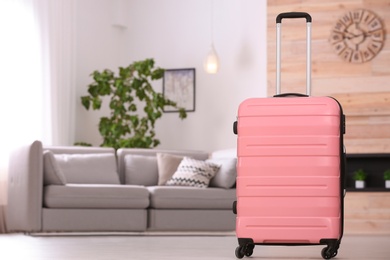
x=179, y=86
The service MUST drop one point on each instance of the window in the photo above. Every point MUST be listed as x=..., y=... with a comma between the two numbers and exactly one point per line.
x=21, y=70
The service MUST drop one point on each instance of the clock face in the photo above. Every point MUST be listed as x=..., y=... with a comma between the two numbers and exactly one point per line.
x=358, y=36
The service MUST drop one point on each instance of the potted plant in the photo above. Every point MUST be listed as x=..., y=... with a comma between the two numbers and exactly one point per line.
x=126, y=126
x=360, y=177
x=386, y=177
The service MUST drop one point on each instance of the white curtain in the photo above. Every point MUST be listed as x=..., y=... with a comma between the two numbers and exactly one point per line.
x=36, y=77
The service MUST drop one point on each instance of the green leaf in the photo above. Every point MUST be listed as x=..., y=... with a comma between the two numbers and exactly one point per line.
x=135, y=121
x=85, y=101
x=93, y=90
x=155, y=142
x=113, y=104
x=141, y=94
x=118, y=84
x=96, y=103
x=132, y=108
x=124, y=73
x=107, y=74
x=136, y=84
x=182, y=113
x=96, y=75
x=157, y=74
x=158, y=114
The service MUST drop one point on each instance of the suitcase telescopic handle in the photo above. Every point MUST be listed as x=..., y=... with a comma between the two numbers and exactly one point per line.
x=308, y=48
x=293, y=15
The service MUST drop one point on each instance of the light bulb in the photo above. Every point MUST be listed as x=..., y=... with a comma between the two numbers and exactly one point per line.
x=211, y=63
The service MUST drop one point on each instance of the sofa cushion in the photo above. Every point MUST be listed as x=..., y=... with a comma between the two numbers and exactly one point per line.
x=52, y=173
x=88, y=168
x=227, y=173
x=167, y=165
x=195, y=173
x=141, y=170
x=122, y=152
x=166, y=197
x=96, y=196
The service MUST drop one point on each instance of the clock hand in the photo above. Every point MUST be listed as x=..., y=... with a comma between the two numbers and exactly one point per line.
x=353, y=36
x=367, y=34
x=348, y=35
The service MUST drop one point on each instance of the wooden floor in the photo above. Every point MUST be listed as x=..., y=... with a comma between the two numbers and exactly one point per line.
x=175, y=247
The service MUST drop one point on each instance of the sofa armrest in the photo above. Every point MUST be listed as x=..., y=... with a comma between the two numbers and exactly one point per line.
x=25, y=186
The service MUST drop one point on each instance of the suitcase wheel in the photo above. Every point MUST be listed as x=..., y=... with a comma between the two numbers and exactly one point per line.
x=242, y=251
x=328, y=253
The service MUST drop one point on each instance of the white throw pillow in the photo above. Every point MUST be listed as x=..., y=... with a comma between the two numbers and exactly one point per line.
x=227, y=173
x=167, y=165
x=193, y=173
x=225, y=153
x=52, y=173
x=99, y=168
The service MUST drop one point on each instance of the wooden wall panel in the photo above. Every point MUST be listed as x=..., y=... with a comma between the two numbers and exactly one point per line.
x=362, y=89
x=367, y=213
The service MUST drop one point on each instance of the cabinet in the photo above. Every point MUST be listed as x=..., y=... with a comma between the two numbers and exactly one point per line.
x=373, y=164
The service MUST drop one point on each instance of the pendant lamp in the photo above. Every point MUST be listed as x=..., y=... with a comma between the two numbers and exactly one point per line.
x=211, y=62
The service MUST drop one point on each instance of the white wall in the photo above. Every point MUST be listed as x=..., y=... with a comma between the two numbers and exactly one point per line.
x=177, y=34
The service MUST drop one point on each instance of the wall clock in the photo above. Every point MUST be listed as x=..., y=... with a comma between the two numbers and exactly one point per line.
x=358, y=36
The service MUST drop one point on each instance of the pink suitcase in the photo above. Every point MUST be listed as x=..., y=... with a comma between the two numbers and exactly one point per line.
x=290, y=168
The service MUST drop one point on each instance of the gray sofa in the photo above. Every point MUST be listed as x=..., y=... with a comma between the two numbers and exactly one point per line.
x=94, y=189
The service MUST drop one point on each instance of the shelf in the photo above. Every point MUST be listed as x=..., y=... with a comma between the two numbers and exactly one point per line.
x=374, y=165
x=368, y=190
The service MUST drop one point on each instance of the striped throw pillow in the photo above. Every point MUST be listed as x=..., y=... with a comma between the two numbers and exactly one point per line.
x=193, y=173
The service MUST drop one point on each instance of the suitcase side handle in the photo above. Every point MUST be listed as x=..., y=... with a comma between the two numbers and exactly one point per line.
x=293, y=15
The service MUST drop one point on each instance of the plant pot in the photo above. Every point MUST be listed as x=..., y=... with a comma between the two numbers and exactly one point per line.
x=360, y=184
x=387, y=184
